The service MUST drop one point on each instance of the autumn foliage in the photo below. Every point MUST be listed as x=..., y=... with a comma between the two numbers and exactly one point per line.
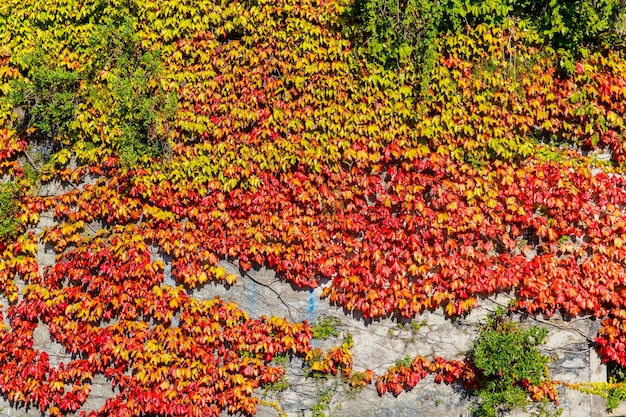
x=287, y=150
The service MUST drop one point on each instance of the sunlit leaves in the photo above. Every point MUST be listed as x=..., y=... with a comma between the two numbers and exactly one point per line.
x=406, y=374
x=288, y=152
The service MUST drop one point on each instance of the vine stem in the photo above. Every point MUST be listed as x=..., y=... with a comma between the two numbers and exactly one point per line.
x=280, y=298
x=558, y=326
x=31, y=161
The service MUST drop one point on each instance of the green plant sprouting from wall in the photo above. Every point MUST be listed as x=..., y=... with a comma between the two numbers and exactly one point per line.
x=324, y=398
x=616, y=390
x=120, y=87
x=325, y=328
x=507, y=360
x=9, y=223
x=613, y=391
x=130, y=93
x=614, y=397
x=401, y=33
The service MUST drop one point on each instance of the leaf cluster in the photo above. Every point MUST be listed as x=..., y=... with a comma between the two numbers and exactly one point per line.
x=48, y=97
x=401, y=33
x=407, y=372
x=289, y=151
x=10, y=226
x=325, y=328
x=508, y=363
x=107, y=90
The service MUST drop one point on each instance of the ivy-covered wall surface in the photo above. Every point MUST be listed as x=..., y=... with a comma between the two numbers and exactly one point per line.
x=376, y=346
x=187, y=136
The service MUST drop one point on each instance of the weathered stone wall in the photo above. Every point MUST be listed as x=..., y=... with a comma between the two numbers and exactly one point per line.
x=377, y=345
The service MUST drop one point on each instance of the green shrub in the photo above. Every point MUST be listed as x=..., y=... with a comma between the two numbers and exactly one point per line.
x=506, y=358
x=49, y=96
x=9, y=223
x=130, y=95
x=116, y=90
x=401, y=32
x=615, y=396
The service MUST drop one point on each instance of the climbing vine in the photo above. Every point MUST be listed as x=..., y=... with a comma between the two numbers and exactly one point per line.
x=256, y=132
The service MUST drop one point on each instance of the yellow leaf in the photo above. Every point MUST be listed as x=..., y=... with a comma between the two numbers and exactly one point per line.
x=219, y=272
x=231, y=279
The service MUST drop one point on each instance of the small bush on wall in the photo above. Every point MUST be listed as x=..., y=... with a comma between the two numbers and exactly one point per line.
x=508, y=364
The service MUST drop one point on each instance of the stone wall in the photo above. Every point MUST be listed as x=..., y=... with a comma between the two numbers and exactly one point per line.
x=377, y=345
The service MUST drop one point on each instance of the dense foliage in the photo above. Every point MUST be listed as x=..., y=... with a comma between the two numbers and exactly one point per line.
x=259, y=131
x=508, y=362
x=9, y=224
x=399, y=32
